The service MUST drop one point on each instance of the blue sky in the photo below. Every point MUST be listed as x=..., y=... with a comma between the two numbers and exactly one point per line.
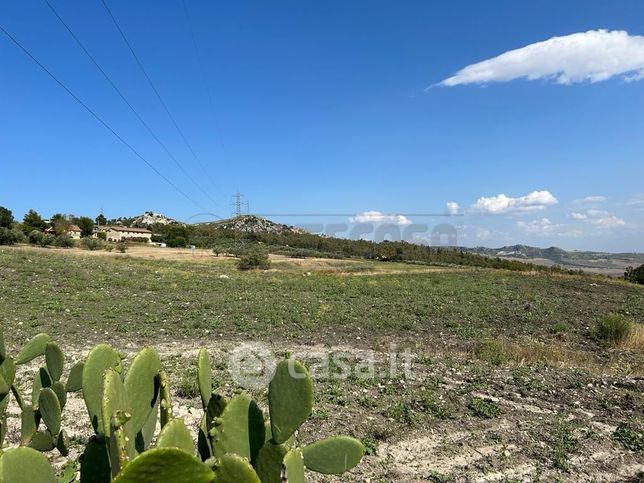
x=324, y=107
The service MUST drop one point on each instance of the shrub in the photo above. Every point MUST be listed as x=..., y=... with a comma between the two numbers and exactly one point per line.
x=493, y=352
x=63, y=241
x=92, y=243
x=102, y=235
x=635, y=275
x=176, y=242
x=47, y=240
x=20, y=235
x=7, y=237
x=35, y=237
x=121, y=247
x=254, y=258
x=614, y=328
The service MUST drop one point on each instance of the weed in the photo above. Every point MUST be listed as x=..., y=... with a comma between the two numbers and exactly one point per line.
x=438, y=408
x=564, y=444
x=560, y=328
x=631, y=438
x=403, y=413
x=187, y=383
x=436, y=477
x=483, y=408
x=370, y=446
x=320, y=414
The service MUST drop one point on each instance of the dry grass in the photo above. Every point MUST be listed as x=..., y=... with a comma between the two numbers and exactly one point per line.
x=500, y=352
x=635, y=338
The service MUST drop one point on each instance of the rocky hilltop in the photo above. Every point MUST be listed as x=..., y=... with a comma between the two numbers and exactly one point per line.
x=255, y=224
x=150, y=218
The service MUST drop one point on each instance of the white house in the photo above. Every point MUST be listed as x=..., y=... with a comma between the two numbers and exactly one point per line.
x=126, y=233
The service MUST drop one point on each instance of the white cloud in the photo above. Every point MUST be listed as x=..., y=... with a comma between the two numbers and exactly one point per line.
x=599, y=218
x=592, y=56
x=539, y=227
x=536, y=200
x=453, y=207
x=592, y=199
x=378, y=217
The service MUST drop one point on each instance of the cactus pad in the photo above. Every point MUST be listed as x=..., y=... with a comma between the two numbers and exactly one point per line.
x=55, y=360
x=42, y=441
x=32, y=349
x=75, y=379
x=231, y=468
x=240, y=429
x=141, y=387
x=165, y=465
x=49, y=408
x=25, y=465
x=269, y=462
x=293, y=468
x=333, y=456
x=100, y=358
x=115, y=413
x=290, y=399
x=176, y=435
x=204, y=373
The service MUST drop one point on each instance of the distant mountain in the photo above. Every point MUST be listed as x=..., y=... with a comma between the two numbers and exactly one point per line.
x=253, y=224
x=610, y=263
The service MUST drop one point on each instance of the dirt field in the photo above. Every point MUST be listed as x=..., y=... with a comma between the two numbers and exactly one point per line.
x=508, y=381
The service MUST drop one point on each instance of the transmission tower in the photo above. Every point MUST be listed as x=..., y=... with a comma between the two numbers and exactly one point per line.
x=237, y=204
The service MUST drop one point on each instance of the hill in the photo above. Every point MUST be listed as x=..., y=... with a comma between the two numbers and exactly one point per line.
x=253, y=224
x=609, y=263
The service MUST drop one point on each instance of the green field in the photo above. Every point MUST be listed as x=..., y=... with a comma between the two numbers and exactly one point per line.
x=508, y=371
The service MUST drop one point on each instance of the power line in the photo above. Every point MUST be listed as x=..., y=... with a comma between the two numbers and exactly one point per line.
x=98, y=118
x=202, y=69
x=165, y=107
x=118, y=91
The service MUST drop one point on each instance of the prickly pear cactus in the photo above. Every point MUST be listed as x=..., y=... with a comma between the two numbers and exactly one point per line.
x=236, y=444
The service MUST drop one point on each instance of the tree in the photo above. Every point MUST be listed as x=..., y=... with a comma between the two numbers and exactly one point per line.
x=33, y=221
x=60, y=224
x=635, y=275
x=6, y=217
x=86, y=224
x=101, y=220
